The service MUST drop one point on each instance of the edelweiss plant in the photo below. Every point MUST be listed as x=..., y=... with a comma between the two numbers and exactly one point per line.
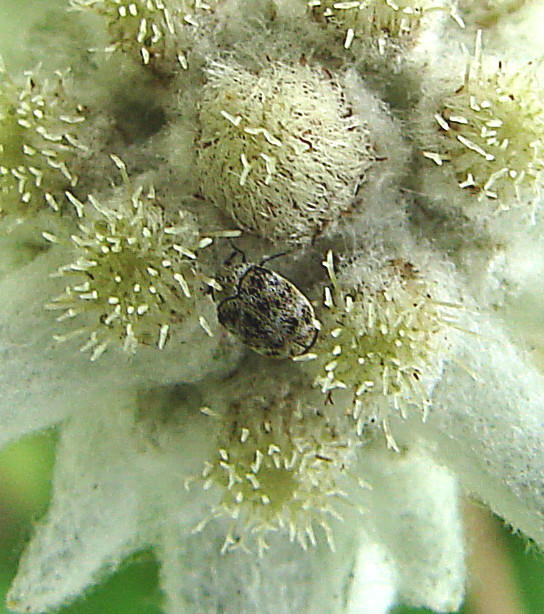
x=350, y=170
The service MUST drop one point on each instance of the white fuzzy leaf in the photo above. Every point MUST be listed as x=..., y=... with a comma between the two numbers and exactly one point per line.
x=490, y=430
x=92, y=523
x=413, y=516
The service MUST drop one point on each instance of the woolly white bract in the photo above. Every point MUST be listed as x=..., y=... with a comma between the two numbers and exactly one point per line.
x=400, y=180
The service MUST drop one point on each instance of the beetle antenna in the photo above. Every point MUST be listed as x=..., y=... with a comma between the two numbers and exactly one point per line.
x=268, y=258
x=237, y=250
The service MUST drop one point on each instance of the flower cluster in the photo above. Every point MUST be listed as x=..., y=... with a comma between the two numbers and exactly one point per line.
x=382, y=338
x=279, y=465
x=490, y=136
x=39, y=143
x=148, y=29
x=383, y=22
x=133, y=273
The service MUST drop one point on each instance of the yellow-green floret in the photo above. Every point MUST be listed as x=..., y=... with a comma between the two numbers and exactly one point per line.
x=148, y=29
x=133, y=275
x=38, y=144
x=278, y=467
x=383, y=338
x=490, y=131
x=376, y=21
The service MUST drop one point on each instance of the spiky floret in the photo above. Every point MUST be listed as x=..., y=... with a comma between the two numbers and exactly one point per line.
x=147, y=28
x=133, y=276
x=376, y=21
x=280, y=150
x=38, y=143
x=278, y=467
x=382, y=337
x=490, y=132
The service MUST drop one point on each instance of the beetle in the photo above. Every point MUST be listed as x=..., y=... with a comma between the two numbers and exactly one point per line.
x=266, y=311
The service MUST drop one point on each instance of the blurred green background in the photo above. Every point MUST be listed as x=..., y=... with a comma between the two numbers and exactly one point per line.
x=25, y=484
x=25, y=480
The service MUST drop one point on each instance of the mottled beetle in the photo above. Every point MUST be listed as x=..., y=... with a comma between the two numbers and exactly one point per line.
x=266, y=311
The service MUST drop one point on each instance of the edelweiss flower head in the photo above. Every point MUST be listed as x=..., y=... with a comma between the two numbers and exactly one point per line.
x=39, y=129
x=279, y=465
x=133, y=276
x=383, y=336
x=298, y=152
x=290, y=154
x=489, y=137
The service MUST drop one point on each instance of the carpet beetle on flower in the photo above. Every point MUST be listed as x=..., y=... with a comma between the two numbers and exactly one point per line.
x=267, y=312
